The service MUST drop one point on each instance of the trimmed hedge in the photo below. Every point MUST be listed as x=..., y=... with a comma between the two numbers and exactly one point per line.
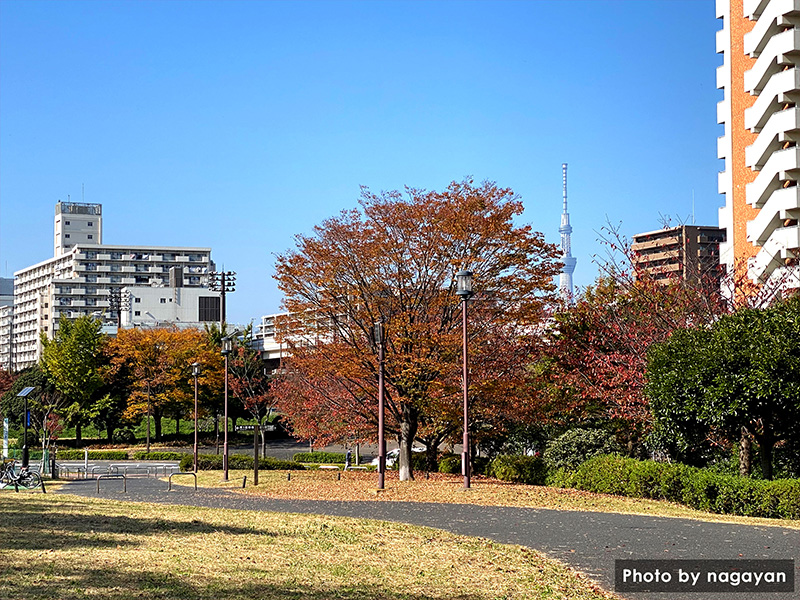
x=701, y=489
x=62, y=454
x=530, y=470
x=242, y=462
x=145, y=455
x=337, y=458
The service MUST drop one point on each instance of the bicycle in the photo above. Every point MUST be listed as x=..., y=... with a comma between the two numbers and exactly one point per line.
x=25, y=478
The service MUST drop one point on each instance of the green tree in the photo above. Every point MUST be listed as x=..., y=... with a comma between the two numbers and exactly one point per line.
x=71, y=361
x=740, y=374
x=46, y=404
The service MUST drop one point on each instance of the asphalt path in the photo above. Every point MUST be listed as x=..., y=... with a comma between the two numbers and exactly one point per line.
x=589, y=542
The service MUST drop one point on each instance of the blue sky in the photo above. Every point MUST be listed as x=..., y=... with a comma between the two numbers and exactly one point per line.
x=237, y=125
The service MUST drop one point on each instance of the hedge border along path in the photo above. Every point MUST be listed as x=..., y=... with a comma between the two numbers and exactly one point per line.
x=586, y=541
x=700, y=489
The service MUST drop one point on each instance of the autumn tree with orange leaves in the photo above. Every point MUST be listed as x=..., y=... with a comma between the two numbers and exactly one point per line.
x=394, y=260
x=156, y=364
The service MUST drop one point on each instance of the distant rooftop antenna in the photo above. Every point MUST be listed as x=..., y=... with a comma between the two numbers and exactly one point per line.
x=565, y=280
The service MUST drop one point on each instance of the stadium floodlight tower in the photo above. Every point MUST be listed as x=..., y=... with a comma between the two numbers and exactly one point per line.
x=565, y=289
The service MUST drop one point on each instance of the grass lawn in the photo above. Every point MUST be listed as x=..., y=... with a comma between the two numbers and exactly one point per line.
x=67, y=547
x=357, y=485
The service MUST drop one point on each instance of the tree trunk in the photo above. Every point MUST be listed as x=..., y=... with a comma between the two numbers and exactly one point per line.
x=431, y=456
x=110, y=432
x=408, y=431
x=177, y=427
x=78, y=436
x=766, y=441
x=157, y=423
x=745, y=454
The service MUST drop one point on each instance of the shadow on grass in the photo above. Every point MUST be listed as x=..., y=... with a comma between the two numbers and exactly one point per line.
x=111, y=584
x=35, y=524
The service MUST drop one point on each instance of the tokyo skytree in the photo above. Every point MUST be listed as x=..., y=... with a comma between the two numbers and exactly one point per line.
x=565, y=280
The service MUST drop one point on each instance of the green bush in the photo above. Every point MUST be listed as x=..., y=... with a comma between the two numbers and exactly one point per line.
x=144, y=455
x=337, y=458
x=63, y=454
x=576, y=446
x=242, y=462
x=561, y=478
x=702, y=489
x=123, y=436
x=530, y=470
x=450, y=464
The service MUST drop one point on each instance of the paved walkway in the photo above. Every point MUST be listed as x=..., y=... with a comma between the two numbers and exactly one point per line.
x=586, y=541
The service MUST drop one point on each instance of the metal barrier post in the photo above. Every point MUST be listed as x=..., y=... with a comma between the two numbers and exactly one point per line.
x=169, y=489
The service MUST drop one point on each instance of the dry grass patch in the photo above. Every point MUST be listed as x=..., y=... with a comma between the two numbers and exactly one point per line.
x=356, y=485
x=67, y=547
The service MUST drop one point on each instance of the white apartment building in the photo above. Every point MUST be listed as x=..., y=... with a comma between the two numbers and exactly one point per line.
x=760, y=77
x=6, y=320
x=265, y=340
x=86, y=277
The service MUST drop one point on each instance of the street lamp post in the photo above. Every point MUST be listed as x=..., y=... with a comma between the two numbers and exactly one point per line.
x=464, y=289
x=148, y=418
x=195, y=373
x=227, y=344
x=381, y=407
x=25, y=417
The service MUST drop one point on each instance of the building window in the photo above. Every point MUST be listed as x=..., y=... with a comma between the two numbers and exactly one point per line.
x=66, y=235
x=89, y=236
x=66, y=222
x=137, y=300
x=163, y=300
x=137, y=313
x=90, y=224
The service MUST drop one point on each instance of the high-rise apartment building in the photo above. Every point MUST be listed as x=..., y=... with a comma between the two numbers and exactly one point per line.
x=683, y=253
x=151, y=285
x=760, y=77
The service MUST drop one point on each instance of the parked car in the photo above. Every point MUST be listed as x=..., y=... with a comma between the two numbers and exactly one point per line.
x=391, y=456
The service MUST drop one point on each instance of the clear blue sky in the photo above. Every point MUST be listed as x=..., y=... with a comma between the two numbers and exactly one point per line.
x=237, y=125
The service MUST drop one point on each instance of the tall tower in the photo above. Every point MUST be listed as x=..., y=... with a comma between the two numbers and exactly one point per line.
x=565, y=280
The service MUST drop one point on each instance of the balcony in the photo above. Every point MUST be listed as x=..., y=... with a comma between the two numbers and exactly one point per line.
x=782, y=204
x=782, y=88
x=781, y=165
x=780, y=51
x=775, y=249
x=777, y=14
x=752, y=8
x=781, y=127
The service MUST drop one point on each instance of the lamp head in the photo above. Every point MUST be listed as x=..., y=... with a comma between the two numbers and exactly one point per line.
x=464, y=284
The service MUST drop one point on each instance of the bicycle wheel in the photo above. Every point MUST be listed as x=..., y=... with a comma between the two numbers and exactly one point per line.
x=30, y=480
